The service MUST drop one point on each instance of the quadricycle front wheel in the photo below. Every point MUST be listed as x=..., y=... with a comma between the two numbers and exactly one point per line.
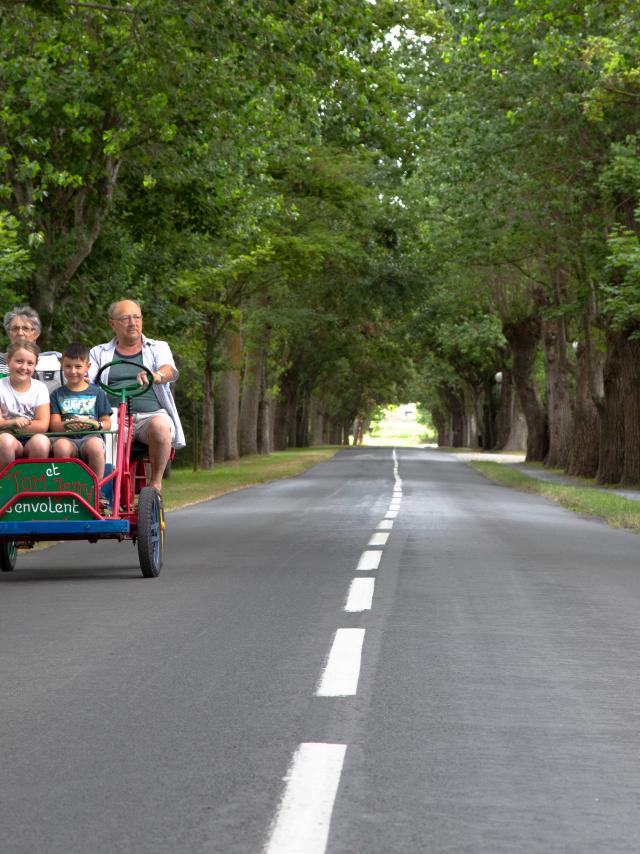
x=150, y=531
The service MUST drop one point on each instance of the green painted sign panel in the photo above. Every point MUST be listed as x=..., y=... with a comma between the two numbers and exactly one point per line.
x=49, y=476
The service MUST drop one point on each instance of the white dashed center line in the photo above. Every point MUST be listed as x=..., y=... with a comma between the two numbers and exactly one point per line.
x=341, y=674
x=301, y=825
x=360, y=595
x=302, y=822
x=369, y=560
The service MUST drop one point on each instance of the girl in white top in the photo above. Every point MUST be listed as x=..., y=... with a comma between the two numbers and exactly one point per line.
x=24, y=407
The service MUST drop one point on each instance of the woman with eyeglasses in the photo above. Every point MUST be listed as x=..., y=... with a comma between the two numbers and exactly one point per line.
x=22, y=324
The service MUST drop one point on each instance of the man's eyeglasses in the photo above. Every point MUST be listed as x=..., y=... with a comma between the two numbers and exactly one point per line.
x=125, y=318
x=21, y=328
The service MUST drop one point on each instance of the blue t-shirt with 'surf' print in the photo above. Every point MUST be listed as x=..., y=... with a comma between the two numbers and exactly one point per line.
x=92, y=402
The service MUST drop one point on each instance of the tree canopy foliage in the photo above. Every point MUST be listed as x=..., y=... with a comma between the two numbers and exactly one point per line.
x=327, y=207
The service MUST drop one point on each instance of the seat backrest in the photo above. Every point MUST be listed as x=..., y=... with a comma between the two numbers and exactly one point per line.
x=49, y=370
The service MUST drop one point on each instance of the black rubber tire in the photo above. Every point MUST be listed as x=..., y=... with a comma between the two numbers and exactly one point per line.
x=8, y=556
x=150, y=533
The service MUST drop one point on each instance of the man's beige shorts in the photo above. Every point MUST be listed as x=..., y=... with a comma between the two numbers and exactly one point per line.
x=141, y=424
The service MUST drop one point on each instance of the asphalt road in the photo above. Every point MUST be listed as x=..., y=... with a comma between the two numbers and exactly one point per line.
x=488, y=700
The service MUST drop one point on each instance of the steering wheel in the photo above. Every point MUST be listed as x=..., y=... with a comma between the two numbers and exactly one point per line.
x=127, y=390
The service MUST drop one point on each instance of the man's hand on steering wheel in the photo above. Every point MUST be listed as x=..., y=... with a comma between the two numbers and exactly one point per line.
x=143, y=377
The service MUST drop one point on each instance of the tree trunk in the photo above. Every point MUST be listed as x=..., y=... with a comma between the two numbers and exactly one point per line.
x=292, y=421
x=611, y=409
x=252, y=384
x=630, y=376
x=457, y=429
x=523, y=340
x=504, y=413
x=281, y=425
x=317, y=422
x=441, y=423
x=303, y=418
x=220, y=436
x=585, y=436
x=284, y=420
x=455, y=414
x=228, y=399
x=559, y=403
x=511, y=425
x=335, y=433
x=358, y=429
x=195, y=434
x=488, y=437
x=517, y=439
x=265, y=420
x=471, y=421
x=326, y=429
x=207, y=440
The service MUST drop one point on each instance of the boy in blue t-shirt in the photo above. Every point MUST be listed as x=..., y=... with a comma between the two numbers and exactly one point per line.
x=82, y=406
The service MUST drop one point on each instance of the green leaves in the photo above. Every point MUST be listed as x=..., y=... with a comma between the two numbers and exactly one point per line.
x=621, y=304
x=14, y=260
x=202, y=155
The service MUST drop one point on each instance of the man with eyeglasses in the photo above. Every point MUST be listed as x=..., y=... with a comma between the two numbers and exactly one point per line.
x=22, y=323
x=155, y=417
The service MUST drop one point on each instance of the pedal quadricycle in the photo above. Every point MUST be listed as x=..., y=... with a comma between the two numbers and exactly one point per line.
x=60, y=499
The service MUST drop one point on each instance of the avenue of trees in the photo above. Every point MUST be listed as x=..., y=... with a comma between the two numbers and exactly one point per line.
x=327, y=207
x=528, y=188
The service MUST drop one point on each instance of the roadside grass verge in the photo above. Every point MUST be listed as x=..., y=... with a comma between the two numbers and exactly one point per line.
x=186, y=487
x=614, y=509
x=585, y=481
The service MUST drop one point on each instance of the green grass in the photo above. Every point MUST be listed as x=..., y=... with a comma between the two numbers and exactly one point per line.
x=188, y=487
x=614, y=509
x=580, y=480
